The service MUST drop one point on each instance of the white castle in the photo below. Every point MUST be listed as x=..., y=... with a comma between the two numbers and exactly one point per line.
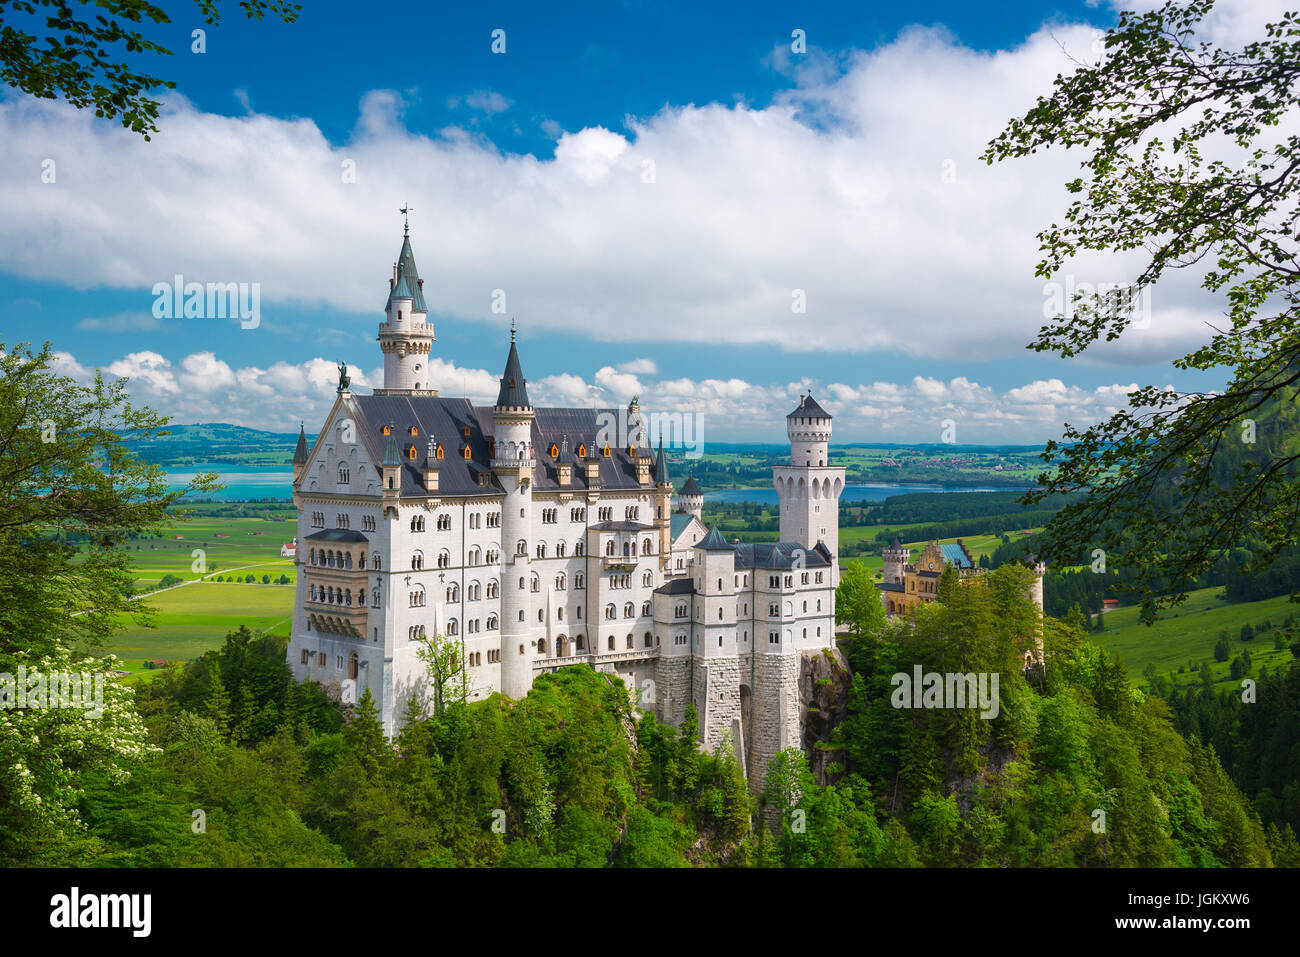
x=533, y=540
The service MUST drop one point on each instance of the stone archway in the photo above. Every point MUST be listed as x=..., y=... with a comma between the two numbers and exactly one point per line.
x=561, y=646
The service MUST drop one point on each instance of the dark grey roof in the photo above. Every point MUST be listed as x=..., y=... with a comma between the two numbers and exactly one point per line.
x=300, y=451
x=622, y=527
x=409, y=282
x=890, y=586
x=676, y=586
x=513, y=392
x=337, y=535
x=714, y=542
x=781, y=555
x=809, y=408
x=447, y=418
x=690, y=488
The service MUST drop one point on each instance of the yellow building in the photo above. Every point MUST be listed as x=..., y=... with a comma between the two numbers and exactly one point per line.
x=907, y=584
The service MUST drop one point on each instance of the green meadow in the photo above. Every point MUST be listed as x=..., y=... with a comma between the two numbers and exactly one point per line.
x=1188, y=634
x=195, y=618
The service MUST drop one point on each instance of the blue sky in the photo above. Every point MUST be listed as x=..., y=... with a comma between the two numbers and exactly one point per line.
x=773, y=171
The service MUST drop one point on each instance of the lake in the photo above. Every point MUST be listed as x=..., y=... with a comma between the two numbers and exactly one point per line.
x=246, y=482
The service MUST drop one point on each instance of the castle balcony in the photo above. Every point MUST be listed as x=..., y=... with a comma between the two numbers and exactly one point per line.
x=620, y=563
x=587, y=658
x=333, y=618
x=406, y=329
x=507, y=464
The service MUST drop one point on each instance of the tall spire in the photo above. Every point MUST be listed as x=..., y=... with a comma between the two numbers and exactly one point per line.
x=300, y=452
x=661, y=464
x=407, y=284
x=514, y=393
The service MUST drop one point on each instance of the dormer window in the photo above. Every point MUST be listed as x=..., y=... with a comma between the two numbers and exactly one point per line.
x=437, y=453
x=467, y=432
x=413, y=431
x=582, y=451
x=411, y=453
x=388, y=430
x=555, y=451
x=466, y=453
x=605, y=451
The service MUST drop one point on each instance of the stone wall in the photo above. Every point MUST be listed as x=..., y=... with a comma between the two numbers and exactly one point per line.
x=672, y=688
x=717, y=694
x=776, y=711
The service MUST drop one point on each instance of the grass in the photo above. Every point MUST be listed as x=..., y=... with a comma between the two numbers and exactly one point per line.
x=195, y=618
x=1189, y=633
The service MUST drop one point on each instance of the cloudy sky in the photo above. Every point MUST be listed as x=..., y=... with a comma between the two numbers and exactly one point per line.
x=651, y=190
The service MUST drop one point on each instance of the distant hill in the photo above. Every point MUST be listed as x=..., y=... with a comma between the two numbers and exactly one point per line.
x=217, y=442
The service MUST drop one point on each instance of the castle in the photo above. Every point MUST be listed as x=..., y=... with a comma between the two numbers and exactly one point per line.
x=536, y=538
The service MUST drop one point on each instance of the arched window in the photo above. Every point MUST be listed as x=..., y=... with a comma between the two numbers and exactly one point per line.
x=609, y=549
x=492, y=588
x=452, y=627
x=646, y=610
x=610, y=612
x=629, y=610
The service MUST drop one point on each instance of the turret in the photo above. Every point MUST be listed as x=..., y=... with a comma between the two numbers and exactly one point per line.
x=809, y=430
x=896, y=557
x=405, y=336
x=564, y=465
x=663, y=498
x=299, y=455
x=432, y=467
x=513, y=464
x=392, y=466
x=691, y=500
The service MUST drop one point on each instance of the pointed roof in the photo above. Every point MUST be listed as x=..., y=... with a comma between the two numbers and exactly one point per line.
x=809, y=408
x=300, y=451
x=714, y=542
x=513, y=385
x=661, y=464
x=690, y=488
x=431, y=455
x=391, y=455
x=409, y=285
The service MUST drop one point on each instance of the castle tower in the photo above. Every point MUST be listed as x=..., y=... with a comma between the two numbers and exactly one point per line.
x=405, y=337
x=691, y=500
x=513, y=462
x=716, y=655
x=808, y=488
x=896, y=558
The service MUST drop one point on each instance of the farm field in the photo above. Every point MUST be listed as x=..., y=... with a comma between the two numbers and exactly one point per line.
x=155, y=557
x=1188, y=634
x=195, y=618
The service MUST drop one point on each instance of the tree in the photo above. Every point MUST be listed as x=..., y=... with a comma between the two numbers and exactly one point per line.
x=857, y=601
x=1149, y=115
x=65, y=471
x=85, y=61
x=1221, y=650
x=444, y=663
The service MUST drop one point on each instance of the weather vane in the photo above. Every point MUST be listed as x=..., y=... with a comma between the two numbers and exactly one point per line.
x=406, y=224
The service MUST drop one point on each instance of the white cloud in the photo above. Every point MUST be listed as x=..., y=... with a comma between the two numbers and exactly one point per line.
x=837, y=189
x=206, y=389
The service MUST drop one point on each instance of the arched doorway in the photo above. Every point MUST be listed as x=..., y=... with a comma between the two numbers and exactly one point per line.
x=561, y=646
x=352, y=666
